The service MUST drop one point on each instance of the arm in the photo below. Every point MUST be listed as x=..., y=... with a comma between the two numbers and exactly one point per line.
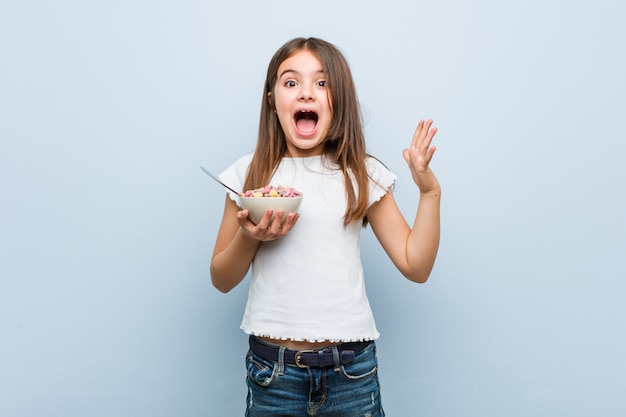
x=412, y=249
x=238, y=240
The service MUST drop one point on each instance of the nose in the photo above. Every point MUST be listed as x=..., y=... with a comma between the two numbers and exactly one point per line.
x=306, y=93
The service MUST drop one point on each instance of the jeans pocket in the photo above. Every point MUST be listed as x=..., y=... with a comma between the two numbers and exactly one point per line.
x=364, y=365
x=259, y=370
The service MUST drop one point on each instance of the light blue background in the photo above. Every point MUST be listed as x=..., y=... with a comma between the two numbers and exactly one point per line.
x=108, y=108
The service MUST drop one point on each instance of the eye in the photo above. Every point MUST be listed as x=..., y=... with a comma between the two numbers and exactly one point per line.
x=321, y=83
x=290, y=83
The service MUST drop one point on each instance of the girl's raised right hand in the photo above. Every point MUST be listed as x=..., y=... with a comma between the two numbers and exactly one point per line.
x=268, y=229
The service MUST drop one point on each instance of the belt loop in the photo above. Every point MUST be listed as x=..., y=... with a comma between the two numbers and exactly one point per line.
x=336, y=357
x=281, y=360
x=320, y=358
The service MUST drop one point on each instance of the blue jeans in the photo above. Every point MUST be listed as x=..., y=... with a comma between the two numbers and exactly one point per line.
x=276, y=389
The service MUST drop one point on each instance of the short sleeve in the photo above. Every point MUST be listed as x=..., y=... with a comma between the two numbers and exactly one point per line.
x=235, y=175
x=381, y=179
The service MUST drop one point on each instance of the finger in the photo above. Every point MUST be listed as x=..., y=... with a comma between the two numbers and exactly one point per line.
x=287, y=224
x=406, y=155
x=242, y=214
x=419, y=158
x=417, y=134
x=423, y=135
x=429, y=156
x=276, y=221
x=290, y=219
x=431, y=152
x=265, y=221
x=244, y=220
x=425, y=132
x=426, y=142
x=428, y=139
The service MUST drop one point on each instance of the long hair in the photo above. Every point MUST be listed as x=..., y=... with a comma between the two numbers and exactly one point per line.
x=345, y=143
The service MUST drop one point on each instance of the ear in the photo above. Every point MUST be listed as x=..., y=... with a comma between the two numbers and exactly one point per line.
x=269, y=97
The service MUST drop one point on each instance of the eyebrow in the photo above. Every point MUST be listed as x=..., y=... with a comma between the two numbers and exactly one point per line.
x=287, y=71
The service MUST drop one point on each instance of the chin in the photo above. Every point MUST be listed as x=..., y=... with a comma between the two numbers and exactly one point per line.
x=300, y=147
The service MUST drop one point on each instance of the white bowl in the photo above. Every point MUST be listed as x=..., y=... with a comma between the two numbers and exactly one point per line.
x=257, y=206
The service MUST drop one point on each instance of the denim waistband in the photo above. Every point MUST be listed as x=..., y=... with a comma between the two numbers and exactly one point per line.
x=325, y=357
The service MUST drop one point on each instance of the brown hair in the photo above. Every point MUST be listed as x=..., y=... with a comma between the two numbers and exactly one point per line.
x=345, y=144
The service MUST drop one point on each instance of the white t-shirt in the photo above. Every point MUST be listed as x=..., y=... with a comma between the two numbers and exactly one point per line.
x=309, y=285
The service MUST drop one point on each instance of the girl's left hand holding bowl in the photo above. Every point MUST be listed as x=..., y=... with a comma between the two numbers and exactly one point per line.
x=267, y=229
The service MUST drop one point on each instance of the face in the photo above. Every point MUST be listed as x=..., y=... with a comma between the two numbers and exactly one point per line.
x=302, y=101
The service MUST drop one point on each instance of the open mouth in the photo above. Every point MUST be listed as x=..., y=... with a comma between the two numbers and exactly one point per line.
x=305, y=121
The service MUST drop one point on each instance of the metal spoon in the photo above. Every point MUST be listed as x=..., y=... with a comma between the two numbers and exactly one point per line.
x=218, y=180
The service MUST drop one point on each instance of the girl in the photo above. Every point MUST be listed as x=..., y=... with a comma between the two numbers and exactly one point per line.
x=312, y=333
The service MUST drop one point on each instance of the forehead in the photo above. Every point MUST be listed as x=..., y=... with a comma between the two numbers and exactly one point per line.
x=303, y=62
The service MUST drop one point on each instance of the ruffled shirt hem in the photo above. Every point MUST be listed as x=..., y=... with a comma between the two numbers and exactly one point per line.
x=312, y=340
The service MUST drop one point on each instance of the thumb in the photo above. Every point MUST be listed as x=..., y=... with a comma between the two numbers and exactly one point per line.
x=405, y=154
x=242, y=214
